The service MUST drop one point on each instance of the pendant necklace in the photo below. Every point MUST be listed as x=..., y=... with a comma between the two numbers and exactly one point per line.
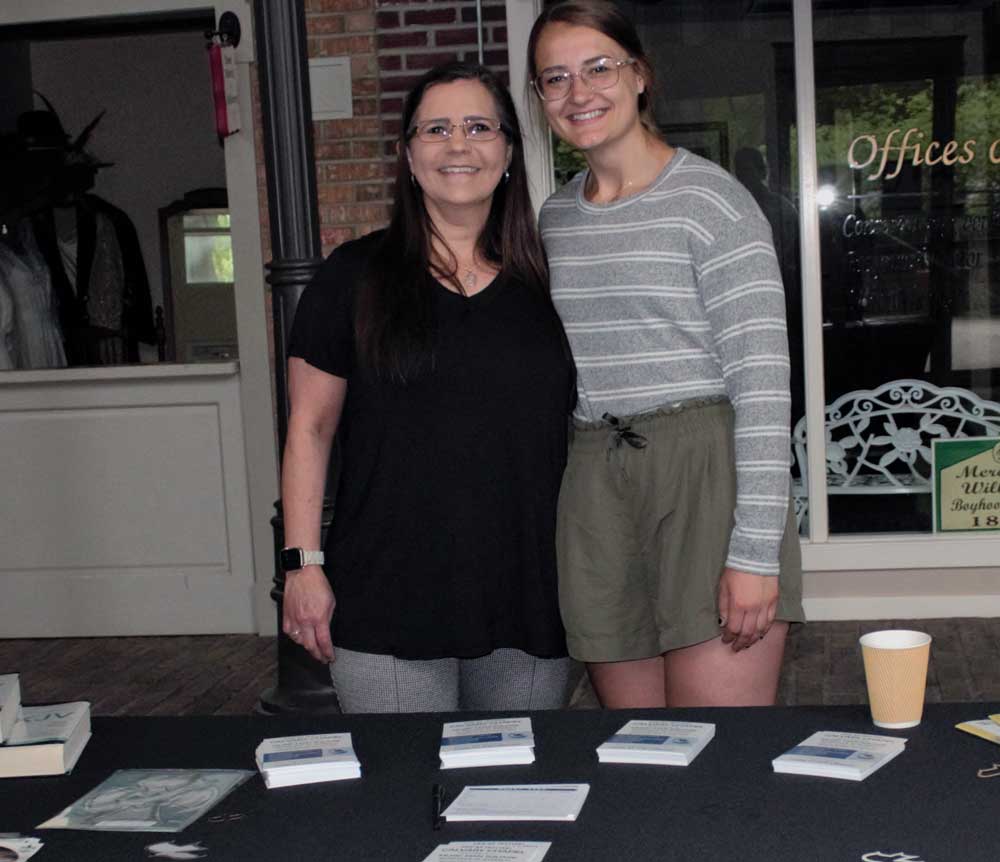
x=469, y=279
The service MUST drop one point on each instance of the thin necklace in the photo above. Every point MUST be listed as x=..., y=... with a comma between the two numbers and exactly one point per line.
x=624, y=192
x=630, y=187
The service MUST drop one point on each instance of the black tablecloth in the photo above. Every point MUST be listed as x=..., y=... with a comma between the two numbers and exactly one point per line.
x=728, y=805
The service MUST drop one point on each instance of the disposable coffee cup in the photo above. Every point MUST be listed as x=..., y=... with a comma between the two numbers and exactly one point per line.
x=896, y=673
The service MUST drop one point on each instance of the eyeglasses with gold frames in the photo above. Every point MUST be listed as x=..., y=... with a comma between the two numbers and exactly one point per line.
x=475, y=129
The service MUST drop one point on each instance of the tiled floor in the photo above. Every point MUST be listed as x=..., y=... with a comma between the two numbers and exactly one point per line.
x=201, y=675
x=823, y=665
x=226, y=674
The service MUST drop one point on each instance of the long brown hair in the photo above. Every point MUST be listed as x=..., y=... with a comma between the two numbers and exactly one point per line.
x=606, y=18
x=394, y=320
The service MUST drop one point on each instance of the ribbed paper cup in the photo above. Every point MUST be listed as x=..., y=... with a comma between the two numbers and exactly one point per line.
x=896, y=673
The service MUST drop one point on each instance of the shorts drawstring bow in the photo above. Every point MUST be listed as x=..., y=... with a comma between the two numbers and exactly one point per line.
x=622, y=434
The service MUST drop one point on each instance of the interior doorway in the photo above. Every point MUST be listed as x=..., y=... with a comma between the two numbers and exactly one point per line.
x=140, y=71
x=102, y=124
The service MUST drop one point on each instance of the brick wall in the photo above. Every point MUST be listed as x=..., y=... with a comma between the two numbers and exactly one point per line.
x=390, y=43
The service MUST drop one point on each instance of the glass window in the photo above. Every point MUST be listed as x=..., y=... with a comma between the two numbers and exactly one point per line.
x=200, y=319
x=908, y=117
x=208, y=247
x=567, y=161
x=206, y=221
x=208, y=258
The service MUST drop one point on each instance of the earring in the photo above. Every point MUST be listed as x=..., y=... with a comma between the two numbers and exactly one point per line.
x=506, y=176
x=413, y=180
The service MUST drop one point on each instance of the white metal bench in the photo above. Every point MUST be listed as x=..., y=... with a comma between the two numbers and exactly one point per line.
x=878, y=441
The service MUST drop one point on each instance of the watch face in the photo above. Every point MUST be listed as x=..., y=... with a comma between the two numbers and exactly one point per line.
x=291, y=559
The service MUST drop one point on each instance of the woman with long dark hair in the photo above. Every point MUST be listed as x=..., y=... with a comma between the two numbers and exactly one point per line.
x=678, y=555
x=434, y=350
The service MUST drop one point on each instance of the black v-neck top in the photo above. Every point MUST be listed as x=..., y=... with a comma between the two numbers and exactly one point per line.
x=443, y=539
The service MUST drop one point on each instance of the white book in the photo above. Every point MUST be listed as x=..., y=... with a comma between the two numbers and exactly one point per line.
x=490, y=851
x=307, y=759
x=665, y=743
x=10, y=703
x=273, y=780
x=47, y=740
x=831, y=754
x=488, y=742
x=518, y=802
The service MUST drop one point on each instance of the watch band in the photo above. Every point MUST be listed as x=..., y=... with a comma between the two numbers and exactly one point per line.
x=293, y=559
x=312, y=558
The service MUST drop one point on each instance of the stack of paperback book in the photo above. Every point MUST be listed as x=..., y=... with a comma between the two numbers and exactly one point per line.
x=288, y=760
x=491, y=742
x=986, y=728
x=663, y=743
x=42, y=740
x=830, y=754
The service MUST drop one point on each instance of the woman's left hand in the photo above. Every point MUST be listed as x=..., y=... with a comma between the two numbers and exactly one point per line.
x=747, y=605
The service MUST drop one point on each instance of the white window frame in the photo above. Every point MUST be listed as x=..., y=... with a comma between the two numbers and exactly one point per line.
x=821, y=552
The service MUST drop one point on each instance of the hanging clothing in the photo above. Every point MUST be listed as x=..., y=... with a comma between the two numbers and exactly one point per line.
x=7, y=340
x=104, y=303
x=36, y=338
x=68, y=251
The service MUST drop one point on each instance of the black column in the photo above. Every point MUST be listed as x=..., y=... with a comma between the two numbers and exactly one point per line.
x=303, y=684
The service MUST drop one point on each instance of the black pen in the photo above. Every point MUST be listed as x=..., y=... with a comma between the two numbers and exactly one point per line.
x=437, y=803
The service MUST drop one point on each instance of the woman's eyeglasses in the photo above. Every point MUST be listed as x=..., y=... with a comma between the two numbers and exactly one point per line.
x=481, y=129
x=600, y=74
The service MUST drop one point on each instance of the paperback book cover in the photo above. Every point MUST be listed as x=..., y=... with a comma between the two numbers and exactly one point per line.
x=489, y=742
x=984, y=728
x=665, y=743
x=831, y=754
x=307, y=759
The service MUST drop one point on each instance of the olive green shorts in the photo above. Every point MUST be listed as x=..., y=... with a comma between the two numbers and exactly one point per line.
x=643, y=534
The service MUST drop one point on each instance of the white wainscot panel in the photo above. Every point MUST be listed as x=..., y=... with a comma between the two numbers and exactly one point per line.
x=113, y=488
x=126, y=511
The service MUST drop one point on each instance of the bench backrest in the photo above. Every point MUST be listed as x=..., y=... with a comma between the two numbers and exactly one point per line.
x=883, y=436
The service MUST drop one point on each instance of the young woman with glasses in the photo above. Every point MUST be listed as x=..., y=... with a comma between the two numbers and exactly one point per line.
x=434, y=350
x=678, y=555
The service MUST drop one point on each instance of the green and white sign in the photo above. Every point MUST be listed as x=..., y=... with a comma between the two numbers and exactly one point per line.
x=966, y=484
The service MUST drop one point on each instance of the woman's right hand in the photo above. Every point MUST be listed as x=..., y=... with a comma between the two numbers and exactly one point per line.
x=308, y=609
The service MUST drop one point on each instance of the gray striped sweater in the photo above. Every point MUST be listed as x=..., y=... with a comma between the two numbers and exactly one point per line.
x=675, y=294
